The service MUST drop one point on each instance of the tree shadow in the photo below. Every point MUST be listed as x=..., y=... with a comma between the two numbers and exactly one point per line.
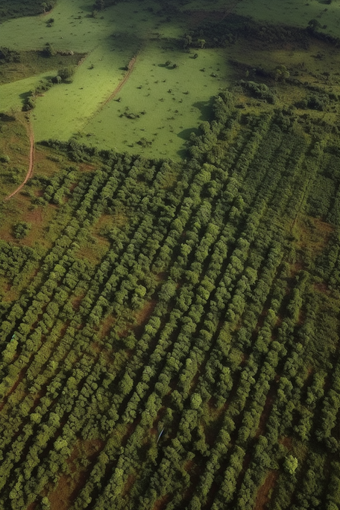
x=185, y=134
x=25, y=95
x=6, y=117
x=205, y=108
x=183, y=153
x=86, y=8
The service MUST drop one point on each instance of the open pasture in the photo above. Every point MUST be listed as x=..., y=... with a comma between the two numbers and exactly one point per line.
x=13, y=94
x=159, y=105
x=175, y=99
x=292, y=12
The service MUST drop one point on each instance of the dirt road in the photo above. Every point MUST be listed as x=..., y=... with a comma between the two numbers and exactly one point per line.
x=130, y=67
x=31, y=162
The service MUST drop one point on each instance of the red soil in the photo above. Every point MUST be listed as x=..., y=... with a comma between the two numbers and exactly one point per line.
x=263, y=492
x=31, y=163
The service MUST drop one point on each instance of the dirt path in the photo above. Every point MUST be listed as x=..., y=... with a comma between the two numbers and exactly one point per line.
x=31, y=162
x=119, y=87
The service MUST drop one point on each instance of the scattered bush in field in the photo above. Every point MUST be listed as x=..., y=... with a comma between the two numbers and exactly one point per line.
x=7, y=55
x=21, y=229
x=66, y=73
x=48, y=50
x=317, y=101
x=281, y=73
x=4, y=158
x=47, y=6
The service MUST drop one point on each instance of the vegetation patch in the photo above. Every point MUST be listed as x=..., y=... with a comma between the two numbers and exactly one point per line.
x=169, y=332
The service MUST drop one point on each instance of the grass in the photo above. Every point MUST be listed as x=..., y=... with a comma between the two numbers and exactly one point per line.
x=175, y=101
x=32, y=63
x=13, y=94
x=293, y=12
x=166, y=103
x=111, y=42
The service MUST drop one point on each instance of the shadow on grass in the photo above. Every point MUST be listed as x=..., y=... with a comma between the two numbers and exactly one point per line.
x=6, y=117
x=185, y=134
x=183, y=153
x=25, y=95
x=86, y=8
x=206, y=109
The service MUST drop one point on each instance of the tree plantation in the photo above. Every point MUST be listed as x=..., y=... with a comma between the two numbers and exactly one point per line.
x=199, y=308
x=169, y=334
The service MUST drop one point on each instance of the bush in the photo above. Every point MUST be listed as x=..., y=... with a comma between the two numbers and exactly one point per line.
x=21, y=229
x=4, y=158
x=66, y=73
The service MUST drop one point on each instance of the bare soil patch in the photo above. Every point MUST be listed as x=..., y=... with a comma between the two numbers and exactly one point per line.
x=262, y=497
x=30, y=164
x=68, y=486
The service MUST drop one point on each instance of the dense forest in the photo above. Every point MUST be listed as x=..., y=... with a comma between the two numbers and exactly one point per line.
x=170, y=341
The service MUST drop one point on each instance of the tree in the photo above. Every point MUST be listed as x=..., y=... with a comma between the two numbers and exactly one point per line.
x=281, y=73
x=66, y=73
x=313, y=25
x=48, y=50
x=21, y=229
x=290, y=464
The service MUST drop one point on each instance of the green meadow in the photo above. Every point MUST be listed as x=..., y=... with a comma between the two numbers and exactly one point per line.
x=294, y=12
x=11, y=94
x=110, y=41
x=159, y=105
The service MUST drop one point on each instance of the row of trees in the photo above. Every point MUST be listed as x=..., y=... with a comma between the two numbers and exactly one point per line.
x=187, y=346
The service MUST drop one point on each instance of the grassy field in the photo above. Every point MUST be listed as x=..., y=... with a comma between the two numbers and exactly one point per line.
x=159, y=105
x=175, y=101
x=294, y=13
x=12, y=94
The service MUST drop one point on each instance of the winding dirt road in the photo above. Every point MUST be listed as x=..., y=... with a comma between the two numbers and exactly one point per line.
x=31, y=162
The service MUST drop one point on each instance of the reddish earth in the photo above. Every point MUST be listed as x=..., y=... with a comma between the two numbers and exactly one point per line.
x=107, y=325
x=161, y=503
x=34, y=216
x=30, y=165
x=145, y=312
x=266, y=412
x=287, y=442
x=86, y=167
x=32, y=506
x=128, y=485
x=322, y=287
x=295, y=268
x=68, y=486
x=76, y=302
x=313, y=234
x=262, y=497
